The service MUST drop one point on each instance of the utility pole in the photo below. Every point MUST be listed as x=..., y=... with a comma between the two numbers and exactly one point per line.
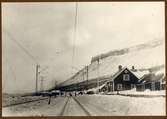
x=55, y=84
x=98, y=76
x=42, y=88
x=113, y=86
x=83, y=77
x=83, y=73
x=37, y=73
x=87, y=76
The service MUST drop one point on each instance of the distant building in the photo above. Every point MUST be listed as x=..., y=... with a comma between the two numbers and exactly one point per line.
x=126, y=79
x=152, y=82
x=123, y=79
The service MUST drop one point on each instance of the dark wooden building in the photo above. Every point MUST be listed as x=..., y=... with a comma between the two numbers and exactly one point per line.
x=124, y=79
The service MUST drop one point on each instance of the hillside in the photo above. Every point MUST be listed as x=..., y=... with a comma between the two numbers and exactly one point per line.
x=148, y=56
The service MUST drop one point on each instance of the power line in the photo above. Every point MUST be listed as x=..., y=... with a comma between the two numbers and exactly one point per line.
x=42, y=86
x=10, y=68
x=75, y=34
x=20, y=45
x=25, y=51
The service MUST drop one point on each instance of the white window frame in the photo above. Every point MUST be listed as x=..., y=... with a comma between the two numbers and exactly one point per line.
x=119, y=86
x=126, y=71
x=125, y=78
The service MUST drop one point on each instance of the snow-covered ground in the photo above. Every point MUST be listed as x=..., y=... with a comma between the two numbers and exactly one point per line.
x=13, y=99
x=115, y=105
x=96, y=105
x=146, y=92
x=39, y=108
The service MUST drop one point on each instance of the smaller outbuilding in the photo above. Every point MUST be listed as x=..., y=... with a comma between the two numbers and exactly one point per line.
x=152, y=82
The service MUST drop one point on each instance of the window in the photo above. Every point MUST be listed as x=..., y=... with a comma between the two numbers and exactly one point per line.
x=153, y=86
x=119, y=86
x=126, y=71
x=126, y=77
x=133, y=86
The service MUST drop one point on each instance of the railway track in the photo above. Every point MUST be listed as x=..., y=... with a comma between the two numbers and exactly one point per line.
x=69, y=106
x=64, y=107
x=62, y=113
x=20, y=103
x=86, y=111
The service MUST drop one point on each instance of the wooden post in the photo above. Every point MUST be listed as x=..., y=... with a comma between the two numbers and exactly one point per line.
x=83, y=74
x=113, y=86
x=87, y=76
x=49, y=99
x=37, y=73
x=160, y=85
x=144, y=87
x=153, y=86
x=98, y=75
x=42, y=87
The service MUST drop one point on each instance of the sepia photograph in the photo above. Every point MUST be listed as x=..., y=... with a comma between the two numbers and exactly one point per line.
x=83, y=59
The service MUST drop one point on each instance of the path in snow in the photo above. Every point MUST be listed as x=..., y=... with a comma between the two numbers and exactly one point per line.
x=74, y=109
x=115, y=105
x=40, y=108
x=94, y=105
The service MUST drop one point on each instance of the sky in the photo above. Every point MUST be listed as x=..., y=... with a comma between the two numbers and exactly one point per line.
x=46, y=31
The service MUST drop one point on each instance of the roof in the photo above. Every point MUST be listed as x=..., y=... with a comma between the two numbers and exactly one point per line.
x=161, y=71
x=152, y=78
x=163, y=79
x=118, y=72
x=137, y=73
x=140, y=74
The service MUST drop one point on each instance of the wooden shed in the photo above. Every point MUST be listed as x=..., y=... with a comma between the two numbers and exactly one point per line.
x=152, y=82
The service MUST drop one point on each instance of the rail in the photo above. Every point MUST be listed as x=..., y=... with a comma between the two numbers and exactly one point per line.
x=80, y=105
x=15, y=104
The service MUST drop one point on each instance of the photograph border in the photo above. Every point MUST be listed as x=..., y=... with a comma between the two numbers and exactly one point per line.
x=83, y=117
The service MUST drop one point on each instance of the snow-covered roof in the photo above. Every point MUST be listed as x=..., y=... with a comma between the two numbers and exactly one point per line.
x=137, y=73
x=118, y=73
x=140, y=74
x=152, y=78
x=161, y=71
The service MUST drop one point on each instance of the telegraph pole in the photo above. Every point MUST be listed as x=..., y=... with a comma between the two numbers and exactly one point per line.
x=37, y=73
x=55, y=84
x=42, y=88
x=87, y=76
x=83, y=73
x=98, y=76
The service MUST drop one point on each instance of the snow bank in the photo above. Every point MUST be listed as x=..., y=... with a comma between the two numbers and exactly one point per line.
x=14, y=99
x=146, y=92
x=38, y=108
x=115, y=105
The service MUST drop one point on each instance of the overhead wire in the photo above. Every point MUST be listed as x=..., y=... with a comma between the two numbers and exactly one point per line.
x=20, y=45
x=10, y=68
x=75, y=35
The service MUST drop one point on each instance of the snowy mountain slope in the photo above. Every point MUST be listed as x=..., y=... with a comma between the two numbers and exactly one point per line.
x=126, y=50
x=143, y=56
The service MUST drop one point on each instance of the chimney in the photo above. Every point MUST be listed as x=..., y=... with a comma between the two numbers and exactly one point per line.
x=120, y=67
x=133, y=69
